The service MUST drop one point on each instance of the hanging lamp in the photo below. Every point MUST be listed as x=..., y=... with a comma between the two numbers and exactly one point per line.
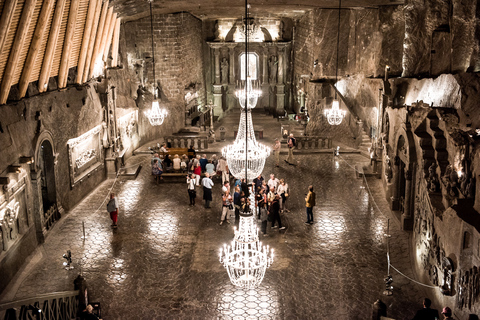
x=155, y=116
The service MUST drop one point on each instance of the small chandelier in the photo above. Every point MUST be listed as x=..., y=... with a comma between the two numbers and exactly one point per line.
x=248, y=95
x=154, y=115
x=335, y=115
x=246, y=157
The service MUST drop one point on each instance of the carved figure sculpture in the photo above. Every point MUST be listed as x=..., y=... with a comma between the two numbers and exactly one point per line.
x=433, y=184
x=224, y=67
x=273, y=66
x=388, y=170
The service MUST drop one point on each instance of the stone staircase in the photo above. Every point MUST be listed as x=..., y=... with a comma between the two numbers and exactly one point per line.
x=365, y=144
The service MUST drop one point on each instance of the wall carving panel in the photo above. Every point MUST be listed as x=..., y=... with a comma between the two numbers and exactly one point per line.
x=85, y=154
x=13, y=217
x=468, y=288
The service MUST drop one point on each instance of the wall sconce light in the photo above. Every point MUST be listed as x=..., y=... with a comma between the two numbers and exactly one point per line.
x=27, y=160
x=14, y=169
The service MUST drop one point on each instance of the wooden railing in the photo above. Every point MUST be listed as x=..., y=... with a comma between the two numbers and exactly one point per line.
x=198, y=142
x=52, y=306
x=313, y=142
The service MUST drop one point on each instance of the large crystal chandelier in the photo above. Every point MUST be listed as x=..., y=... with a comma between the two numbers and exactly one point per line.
x=246, y=260
x=335, y=115
x=155, y=115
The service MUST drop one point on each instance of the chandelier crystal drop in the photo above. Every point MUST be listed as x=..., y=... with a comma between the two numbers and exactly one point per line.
x=248, y=95
x=246, y=259
x=335, y=115
x=156, y=115
x=245, y=142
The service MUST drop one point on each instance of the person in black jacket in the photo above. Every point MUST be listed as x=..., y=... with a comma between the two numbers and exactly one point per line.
x=426, y=313
x=275, y=212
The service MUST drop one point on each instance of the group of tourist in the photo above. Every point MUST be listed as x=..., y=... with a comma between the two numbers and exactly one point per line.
x=427, y=313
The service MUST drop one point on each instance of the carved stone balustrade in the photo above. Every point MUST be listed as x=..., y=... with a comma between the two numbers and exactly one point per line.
x=313, y=143
x=198, y=142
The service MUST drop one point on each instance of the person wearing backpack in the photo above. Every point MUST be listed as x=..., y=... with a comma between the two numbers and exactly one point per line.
x=291, y=145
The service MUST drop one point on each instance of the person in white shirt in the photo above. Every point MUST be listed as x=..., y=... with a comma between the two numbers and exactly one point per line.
x=283, y=191
x=192, y=194
x=276, y=149
x=207, y=184
x=176, y=162
x=222, y=167
x=164, y=148
x=273, y=182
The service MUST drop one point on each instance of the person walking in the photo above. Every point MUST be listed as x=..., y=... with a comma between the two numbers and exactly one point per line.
x=283, y=191
x=226, y=203
x=447, y=313
x=291, y=143
x=309, y=204
x=276, y=150
x=192, y=193
x=275, y=212
x=112, y=208
x=207, y=184
x=426, y=313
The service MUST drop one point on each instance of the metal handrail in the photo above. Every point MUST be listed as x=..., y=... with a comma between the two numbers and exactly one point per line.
x=40, y=297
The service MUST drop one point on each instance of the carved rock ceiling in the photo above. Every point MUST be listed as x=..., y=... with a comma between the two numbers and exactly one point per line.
x=218, y=9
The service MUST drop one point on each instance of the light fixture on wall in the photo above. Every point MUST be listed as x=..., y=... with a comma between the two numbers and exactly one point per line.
x=246, y=260
x=335, y=115
x=156, y=116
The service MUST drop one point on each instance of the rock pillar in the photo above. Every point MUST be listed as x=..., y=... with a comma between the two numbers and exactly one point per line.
x=407, y=221
x=396, y=180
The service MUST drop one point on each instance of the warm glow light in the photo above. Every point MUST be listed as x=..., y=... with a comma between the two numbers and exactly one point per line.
x=156, y=115
x=250, y=97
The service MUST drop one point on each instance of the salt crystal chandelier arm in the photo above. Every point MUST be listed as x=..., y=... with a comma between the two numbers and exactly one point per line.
x=155, y=116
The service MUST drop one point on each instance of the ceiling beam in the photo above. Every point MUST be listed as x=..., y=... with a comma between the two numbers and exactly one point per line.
x=106, y=28
x=116, y=40
x=113, y=22
x=98, y=38
x=67, y=44
x=91, y=41
x=17, y=46
x=51, y=45
x=86, y=38
x=37, y=39
x=5, y=20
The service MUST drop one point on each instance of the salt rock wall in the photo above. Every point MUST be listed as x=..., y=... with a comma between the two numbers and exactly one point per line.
x=178, y=63
x=440, y=37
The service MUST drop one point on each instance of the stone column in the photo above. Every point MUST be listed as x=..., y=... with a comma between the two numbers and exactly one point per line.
x=280, y=107
x=265, y=65
x=40, y=230
x=396, y=180
x=407, y=221
x=217, y=101
x=216, y=52
x=231, y=51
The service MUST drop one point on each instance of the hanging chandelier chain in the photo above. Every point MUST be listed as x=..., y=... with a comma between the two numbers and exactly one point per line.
x=338, y=43
x=153, y=52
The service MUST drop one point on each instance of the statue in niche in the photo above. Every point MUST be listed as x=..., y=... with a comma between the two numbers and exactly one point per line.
x=447, y=268
x=224, y=69
x=462, y=290
x=450, y=180
x=273, y=67
x=280, y=30
x=388, y=170
x=9, y=221
x=434, y=275
x=433, y=184
x=139, y=69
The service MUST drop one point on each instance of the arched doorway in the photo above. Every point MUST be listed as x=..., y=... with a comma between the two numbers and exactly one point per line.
x=46, y=166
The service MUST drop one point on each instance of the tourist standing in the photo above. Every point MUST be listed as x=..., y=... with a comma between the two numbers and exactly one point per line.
x=276, y=150
x=226, y=203
x=207, y=184
x=283, y=191
x=291, y=143
x=309, y=204
x=198, y=172
x=275, y=212
x=271, y=196
x=258, y=182
x=226, y=187
x=176, y=162
x=222, y=168
x=426, y=313
x=273, y=182
x=157, y=170
x=210, y=168
x=203, y=162
x=447, y=313
x=263, y=217
x=112, y=208
x=155, y=156
x=236, y=205
x=192, y=194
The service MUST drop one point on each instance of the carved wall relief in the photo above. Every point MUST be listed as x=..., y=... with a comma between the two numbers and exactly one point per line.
x=468, y=288
x=85, y=154
x=128, y=125
x=13, y=218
